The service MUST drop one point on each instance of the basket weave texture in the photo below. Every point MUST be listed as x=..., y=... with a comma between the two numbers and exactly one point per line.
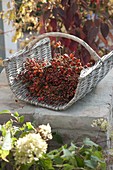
x=40, y=48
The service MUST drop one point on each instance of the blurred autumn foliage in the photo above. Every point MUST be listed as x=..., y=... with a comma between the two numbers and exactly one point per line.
x=90, y=20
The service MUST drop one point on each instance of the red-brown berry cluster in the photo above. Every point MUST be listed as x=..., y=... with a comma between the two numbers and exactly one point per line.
x=52, y=84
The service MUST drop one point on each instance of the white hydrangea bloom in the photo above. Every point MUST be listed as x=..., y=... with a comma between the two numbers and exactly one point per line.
x=45, y=131
x=29, y=148
x=101, y=123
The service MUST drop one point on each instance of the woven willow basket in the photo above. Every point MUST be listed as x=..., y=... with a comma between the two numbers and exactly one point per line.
x=40, y=49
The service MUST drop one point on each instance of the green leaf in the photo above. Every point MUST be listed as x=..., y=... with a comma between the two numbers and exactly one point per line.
x=8, y=124
x=7, y=141
x=96, y=159
x=25, y=167
x=5, y=112
x=73, y=161
x=3, y=130
x=103, y=165
x=73, y=147
x=91, y=164
x=66, y=153
x=21, y=119
x=4, y=154
x=58, y=160
x=88, y=142
x=14, y=139
x=68, y=167
x=98, y=154
x=52, y=154
x=16, y=114
x=80, y=161
x=46, y=163
x=29, y=126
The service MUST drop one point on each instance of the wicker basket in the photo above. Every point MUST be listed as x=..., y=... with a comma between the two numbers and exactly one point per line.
x=40, y=48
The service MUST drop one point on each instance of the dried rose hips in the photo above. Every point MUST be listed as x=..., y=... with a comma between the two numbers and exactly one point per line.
x=53, y=84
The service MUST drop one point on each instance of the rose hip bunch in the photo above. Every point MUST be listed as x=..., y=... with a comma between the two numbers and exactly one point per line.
x=53, y=84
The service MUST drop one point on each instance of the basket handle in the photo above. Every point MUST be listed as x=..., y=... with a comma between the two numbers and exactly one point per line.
x=94, y=55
